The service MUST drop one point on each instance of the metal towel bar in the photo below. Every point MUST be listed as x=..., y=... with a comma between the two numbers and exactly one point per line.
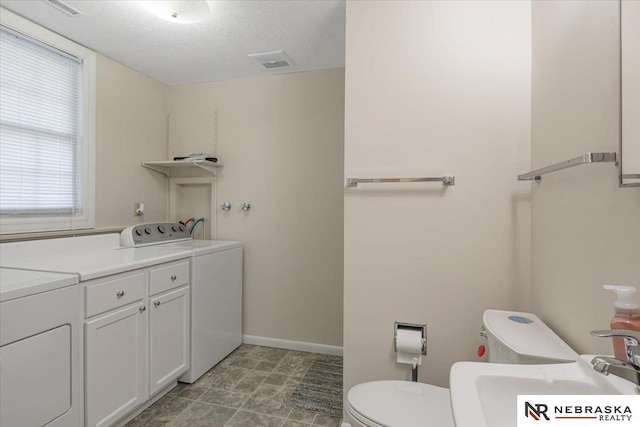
x=576, y=161
x=445, y=180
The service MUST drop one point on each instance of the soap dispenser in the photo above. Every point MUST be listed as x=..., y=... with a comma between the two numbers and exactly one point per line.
x=627, y=316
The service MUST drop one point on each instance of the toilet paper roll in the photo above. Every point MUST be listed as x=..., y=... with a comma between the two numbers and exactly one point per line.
x=408, y=346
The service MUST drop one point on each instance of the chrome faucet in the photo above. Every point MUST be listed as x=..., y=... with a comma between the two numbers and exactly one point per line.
x=628, y=369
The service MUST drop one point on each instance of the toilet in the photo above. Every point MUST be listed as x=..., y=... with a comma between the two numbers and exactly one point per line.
x=513, y=337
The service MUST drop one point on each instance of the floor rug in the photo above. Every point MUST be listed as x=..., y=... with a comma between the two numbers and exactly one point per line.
x=321, y=388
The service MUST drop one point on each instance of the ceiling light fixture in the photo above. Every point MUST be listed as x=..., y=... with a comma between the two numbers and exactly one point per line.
x=181, y=12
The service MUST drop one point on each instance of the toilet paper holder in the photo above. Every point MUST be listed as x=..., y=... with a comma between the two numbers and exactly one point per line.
x=422, y=328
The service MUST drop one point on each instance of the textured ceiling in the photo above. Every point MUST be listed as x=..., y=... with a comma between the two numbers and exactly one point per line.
x=311, y=32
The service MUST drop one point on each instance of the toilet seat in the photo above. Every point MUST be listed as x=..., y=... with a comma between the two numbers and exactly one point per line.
x=400, y=404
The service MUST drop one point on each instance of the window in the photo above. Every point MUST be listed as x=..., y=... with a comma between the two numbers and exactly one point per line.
x=47, y=97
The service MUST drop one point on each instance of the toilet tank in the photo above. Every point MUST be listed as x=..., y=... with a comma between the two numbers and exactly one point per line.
x=522, y=338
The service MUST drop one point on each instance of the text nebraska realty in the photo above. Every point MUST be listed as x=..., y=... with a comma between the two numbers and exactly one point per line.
x=601, y=413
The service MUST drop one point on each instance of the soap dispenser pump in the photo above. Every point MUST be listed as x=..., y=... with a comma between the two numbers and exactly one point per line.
x=627, y=316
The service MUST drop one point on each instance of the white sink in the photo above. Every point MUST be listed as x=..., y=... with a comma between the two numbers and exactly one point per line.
x=485, y=394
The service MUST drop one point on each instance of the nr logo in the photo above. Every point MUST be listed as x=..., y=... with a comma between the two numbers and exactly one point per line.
x=536, y=411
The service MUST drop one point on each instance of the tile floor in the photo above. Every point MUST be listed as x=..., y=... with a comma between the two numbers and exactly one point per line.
x=249, y=388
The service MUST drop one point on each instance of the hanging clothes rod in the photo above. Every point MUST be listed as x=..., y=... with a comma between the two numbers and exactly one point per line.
x=445, y=180
x=586, y=158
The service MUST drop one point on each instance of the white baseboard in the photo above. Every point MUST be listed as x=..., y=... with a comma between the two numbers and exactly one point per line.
x=293, y=345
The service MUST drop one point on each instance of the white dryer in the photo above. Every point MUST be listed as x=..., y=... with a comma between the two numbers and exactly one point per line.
x=39, y=348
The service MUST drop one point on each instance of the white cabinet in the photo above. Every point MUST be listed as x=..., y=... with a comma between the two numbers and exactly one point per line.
x=141, y=345
x=168, y=337
x=115, y=364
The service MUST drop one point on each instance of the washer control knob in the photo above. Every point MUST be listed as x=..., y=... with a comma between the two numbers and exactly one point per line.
x=162, y=229
x=181, y=227
x=174, y=228
x=147, y=230
x=138, y=232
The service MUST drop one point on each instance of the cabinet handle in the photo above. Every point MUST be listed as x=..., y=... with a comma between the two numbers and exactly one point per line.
x=120, y=294
x=142, y=309
x=156, y=303
x=173, y=278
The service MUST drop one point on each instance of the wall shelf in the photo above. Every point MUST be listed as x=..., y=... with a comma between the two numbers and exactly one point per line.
x=164, y=167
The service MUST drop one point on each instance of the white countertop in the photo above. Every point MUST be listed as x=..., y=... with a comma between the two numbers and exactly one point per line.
x=91, y=264
x=44, y=247
x=199, y=247
x=20, y=283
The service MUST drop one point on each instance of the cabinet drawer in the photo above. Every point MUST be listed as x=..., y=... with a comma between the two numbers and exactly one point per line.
x=114, y=293
x=164, y=278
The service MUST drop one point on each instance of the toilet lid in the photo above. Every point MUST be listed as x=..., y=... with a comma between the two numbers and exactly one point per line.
x=401, y=404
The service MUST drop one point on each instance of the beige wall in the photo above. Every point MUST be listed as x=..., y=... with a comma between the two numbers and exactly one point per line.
x=586, y=230
x=131, y=127
x=434, y=88
x=280, y=140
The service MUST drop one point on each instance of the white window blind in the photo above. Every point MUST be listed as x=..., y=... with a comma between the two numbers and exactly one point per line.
x=40, y=129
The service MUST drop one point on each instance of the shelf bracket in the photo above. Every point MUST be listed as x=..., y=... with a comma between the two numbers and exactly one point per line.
x=155, y=168
x=204, y=166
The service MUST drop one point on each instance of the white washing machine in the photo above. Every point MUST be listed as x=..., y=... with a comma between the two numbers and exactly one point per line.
x=39, y=349
x=216, y=290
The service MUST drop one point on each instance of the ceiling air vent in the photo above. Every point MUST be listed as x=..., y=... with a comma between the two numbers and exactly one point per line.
x=63, y=7
x=272, y=60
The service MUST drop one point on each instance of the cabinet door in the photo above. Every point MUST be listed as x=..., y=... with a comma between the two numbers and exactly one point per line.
x=115, y=364
x=168, y=337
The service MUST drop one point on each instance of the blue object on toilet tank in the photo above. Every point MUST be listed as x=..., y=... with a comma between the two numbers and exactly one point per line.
x=520, y=319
